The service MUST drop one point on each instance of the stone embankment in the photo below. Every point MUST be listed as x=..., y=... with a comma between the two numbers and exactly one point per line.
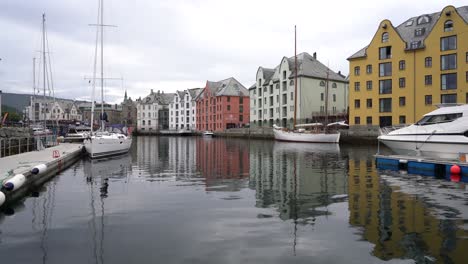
x=15, y=132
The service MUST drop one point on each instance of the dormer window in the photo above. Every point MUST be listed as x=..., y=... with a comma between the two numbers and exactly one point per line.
x=409, y=23
x=385, y=37
x=448, y=26
x=322, y=83
x=419, y=32
x=423, y=20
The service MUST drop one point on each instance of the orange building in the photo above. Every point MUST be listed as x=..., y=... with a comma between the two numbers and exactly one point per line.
x=222, y=105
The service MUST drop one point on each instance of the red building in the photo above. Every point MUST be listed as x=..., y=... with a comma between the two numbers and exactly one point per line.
x=222, y=105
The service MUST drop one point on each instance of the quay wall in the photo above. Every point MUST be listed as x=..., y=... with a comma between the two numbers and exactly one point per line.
x=355, y=135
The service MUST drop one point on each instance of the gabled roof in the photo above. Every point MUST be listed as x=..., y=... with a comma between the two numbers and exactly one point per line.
x=159, y=98
x=407, y=30
x=227, y=87
x=194, y=92
x=308, y=66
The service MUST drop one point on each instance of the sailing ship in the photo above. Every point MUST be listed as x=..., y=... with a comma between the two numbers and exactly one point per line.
x=103, y=143
x=320, y=133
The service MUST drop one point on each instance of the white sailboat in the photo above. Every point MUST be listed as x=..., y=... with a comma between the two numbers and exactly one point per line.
x=319, y=133
x=102, y=143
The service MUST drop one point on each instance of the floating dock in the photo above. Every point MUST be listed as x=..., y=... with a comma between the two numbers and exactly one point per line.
x=424, y=166
x=23, y=172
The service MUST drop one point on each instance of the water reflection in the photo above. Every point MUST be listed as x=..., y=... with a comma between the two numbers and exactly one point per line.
x=408, y=216
x=179, y=199
x=297, y=178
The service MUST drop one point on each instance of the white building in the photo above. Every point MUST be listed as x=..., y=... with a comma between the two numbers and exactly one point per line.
x=182, y=110
x=153, y=112
x=272, y=96
x=53, y=110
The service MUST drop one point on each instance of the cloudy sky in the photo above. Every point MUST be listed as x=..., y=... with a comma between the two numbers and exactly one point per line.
x=173, y=45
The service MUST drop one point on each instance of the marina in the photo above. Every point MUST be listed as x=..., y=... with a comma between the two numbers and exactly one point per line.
x=188, y=199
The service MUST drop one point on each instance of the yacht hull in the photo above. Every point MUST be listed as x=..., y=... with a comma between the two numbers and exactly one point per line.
x=306, y=137
x=98, y=147
x=434, y=146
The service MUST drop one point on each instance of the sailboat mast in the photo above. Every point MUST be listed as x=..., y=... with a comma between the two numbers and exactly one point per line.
x=326, y=99
x=102, y=65
x=44, y=69
x=295, y=78
x=33, y=105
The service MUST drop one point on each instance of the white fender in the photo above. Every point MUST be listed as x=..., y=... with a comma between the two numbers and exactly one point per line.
x=39, y=169
x=14, y=182
x=2, y=198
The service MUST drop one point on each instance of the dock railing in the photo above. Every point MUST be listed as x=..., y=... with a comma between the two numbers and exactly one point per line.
x=17, y=145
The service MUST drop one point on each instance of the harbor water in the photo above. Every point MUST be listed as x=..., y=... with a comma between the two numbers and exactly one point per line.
x=217, y=200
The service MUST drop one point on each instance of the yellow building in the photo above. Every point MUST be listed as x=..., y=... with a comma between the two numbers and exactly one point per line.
x=407, y=70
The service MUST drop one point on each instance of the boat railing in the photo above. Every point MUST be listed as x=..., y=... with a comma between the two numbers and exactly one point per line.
x=388, y=129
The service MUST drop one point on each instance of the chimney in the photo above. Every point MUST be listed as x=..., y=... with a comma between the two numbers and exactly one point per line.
x=151, y=91
x=339, y=72
x=315, y=55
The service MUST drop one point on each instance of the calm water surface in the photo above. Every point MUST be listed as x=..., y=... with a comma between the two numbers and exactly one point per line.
x=199, y=200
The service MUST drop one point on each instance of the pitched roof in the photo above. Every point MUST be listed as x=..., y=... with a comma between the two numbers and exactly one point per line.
x=407, y=30
x=159, y=98
x=227, y=87
x=194, y=92
x=311, y=67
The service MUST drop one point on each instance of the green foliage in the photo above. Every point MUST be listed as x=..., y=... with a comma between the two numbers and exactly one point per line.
x=13, y=114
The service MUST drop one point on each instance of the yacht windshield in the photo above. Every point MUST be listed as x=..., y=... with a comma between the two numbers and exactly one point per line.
x=435, y=119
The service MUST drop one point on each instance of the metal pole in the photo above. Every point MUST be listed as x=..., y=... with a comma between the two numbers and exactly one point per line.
x=44, y=68
x=295, y=78
x=102, y=65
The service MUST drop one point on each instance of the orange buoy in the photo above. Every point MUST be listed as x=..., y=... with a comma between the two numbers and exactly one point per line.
x=455, y=169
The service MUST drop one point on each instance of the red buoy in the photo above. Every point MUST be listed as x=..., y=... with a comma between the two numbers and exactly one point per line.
x=455, y=177
x=455, y=169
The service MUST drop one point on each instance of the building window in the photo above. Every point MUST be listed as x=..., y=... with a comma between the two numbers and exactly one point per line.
x=143, y=122
x=321, y=96
x=334, y=85
x=357, y=103
x=415, y=44
x=448, y=62
x=466, y=55
x=428, y=100
x=428, y=80
x=448, y=43
x=385, y=53
x=402, y=82
x=466, y=98
x=322, y=83
x=285, y=99
x=292, y=98
x=357, y=86
x=402, y=65
x=448, y=81
x=402, y=101
x=357, y=120
x=448, y=99
x=241, y=100
x=385, y=37
x=423, y=20
x=385, y=105
x=241, y=109
x=369, y=103
x=428, y=62
x=448, y=26
x=284, y=74
x=357, y=72
x=369, y=85
x=402, y=119
x=149, y=122
x=369, y=120
x=229, y=108
x=466, y=76
x=385, y=86
x=229, y=99
x=419, y=32
x=334, y=97
x=385, y=69
x=369, y=69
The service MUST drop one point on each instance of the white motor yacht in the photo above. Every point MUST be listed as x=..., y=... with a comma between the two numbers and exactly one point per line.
x=442, y=133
